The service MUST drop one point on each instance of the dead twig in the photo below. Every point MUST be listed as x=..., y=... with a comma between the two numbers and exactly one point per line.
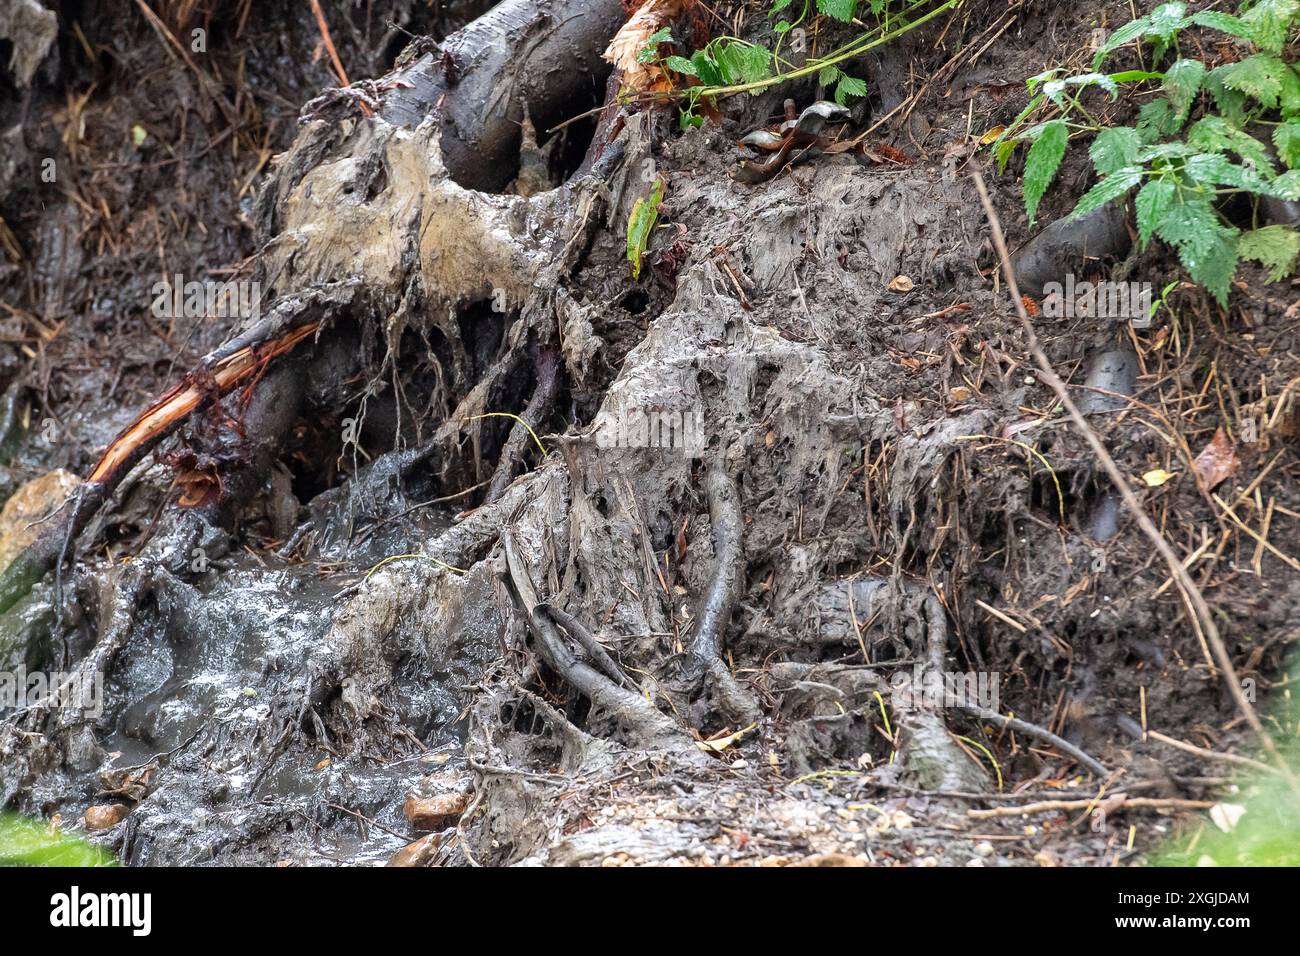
x=1038, y=733
x=1111, y=804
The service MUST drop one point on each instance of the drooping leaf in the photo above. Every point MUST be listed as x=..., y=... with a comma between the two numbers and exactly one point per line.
x=1114, y=148
x=1230, y=103
x=1215, y=169
x=1215, y=134
x=1223, y=22
x=30, y=843
x=1109, y=189
x=1269, y=21
x=1275, y=247
x=1259, y=77
x=1287, y=140
x=1206, y=248
x=849, y=86
x=1153, y=201
x=706, y=69
x=744, y=62
x=1182, y=83
x=1043, y=161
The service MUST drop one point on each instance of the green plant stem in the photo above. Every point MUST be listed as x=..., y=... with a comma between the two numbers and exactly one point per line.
x=851, y=50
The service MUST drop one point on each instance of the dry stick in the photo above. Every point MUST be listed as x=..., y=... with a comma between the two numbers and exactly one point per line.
x=1112, y=805
x=1192, y=596
x=1208, y=754
x=333, y=53
x=1039, y=733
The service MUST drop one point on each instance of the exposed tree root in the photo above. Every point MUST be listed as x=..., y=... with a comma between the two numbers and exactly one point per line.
x=548, y=365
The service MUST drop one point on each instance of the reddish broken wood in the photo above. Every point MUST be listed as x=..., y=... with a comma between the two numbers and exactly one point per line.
x=198, y=389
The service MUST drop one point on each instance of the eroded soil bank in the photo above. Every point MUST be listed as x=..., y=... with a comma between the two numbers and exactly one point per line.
x=329, y=629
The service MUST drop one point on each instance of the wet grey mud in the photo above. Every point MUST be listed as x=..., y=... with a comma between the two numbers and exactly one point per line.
x=472, y=548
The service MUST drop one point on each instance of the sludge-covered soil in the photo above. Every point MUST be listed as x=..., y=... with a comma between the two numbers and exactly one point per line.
x=282, y=699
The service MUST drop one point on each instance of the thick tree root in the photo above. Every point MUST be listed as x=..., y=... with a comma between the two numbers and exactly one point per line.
x=720, y=600
x=645, y=725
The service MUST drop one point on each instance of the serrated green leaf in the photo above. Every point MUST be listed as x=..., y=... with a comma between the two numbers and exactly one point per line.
x=849, y=86
x=1287, y=140
x=1259, y=76
x=1215, y=134
x=841, y=10
x=1231, y=104
x=679, y=64
x=1114, y=148
x=1275, y=247
x=645, y=211
x=1042, y=163
x=1155, y=119
x=1269, y=21
x=1125, y=34
x=1289, y=101
x=1109, y=189
x=743, y=62
x=1215, y=169
x=1206, y=248
x=1286, y=186
x=777, y=7
x=1182, y=83
x=706, y=69
x=1224, y=23
x=827, y=75
x=1153, y=201
x=782, y=27
x=649, y=51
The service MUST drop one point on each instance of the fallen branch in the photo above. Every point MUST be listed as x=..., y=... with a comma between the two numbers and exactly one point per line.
x=1191, y=594
x=164, y=416
x=1111, y=804
x=1209, y=754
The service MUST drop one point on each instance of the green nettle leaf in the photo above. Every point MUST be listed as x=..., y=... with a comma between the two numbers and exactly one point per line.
x=1290, y=99
x=744, y=63
x=1287, y=140
x=1114, y=148
x=1206, y=248
x=777, y=7
x=1155, y=119
x=1286, y=186
x=1182, y=83
x=841, y=10
x=1109, y=189
x=782, y=27
x=1268, y=22
x=1259, y=76
x=1125, y=34
x=1003, y=151
x=827, y=75
x=1166, y=20
x=1231, y=104
x=1153, y=201
x=1212, y=134
x=648, y=52
x=1215, y=169
x=1224, y=23
x=849, y=86
x=1276, y=248
x=1042, y=163
x=706, y=69
x=679, y=64
x=645, y=211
